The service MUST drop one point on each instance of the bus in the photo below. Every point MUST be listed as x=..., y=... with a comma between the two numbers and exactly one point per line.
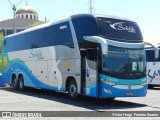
x=98, y=56
x=153, y=68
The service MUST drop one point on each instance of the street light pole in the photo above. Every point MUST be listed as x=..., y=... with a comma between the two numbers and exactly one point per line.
x=14, y=14
x=14, y=18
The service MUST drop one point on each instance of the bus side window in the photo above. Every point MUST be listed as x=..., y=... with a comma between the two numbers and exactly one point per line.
x=63, y=35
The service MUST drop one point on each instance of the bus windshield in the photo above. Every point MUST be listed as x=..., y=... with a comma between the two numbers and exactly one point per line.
x=119, y=30
x=124, y=63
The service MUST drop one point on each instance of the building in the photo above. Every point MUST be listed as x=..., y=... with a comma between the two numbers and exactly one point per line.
x=27, y=12
x=25, y=16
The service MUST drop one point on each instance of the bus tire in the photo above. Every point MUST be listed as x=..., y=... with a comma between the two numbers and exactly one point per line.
x=15, y=83
x=21, y=83
x=110, y=99
x=73, y=90
x=150, y=86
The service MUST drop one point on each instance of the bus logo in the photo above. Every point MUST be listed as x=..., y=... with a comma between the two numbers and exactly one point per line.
x=153, y=75
x=6, y=114
x=36, y=54
x=63, y=27
x=129, y=87
x=119, y=26
x=68, y=64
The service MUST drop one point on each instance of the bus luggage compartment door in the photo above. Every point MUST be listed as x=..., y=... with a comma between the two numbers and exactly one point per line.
x=42, y=73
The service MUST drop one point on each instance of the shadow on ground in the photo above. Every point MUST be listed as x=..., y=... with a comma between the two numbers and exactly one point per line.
x=154, y=88
x=84, y=102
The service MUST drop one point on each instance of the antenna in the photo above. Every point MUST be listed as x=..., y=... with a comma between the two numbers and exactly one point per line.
x=91, y=8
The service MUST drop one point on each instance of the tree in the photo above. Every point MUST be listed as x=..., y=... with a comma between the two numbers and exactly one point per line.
x=1, y=39
x=36, y=24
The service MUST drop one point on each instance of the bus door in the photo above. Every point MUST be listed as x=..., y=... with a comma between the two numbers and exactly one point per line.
x=91, y=72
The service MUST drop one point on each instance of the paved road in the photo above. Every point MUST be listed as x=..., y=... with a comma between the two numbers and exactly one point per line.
x=42, y=100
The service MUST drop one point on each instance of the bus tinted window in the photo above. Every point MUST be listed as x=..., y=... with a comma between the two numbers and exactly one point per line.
x=84, y=26
x=9, y=45
x=63, y=34
x=19, y=44
x=59, y=34
x=150, y=55
x=119, y=29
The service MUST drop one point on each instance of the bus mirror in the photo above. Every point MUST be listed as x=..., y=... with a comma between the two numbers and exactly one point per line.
x=156, y=49
x=100, y=40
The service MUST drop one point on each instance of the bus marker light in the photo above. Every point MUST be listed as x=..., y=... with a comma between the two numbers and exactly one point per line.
x=68, y=64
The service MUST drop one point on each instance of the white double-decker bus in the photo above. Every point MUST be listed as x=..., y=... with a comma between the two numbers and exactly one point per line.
x=94, y=55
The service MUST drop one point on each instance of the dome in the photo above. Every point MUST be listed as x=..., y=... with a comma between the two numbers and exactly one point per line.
x=27, y=12
x=26, y=9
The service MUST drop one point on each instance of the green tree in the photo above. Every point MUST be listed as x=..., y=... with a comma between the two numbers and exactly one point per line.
x=1, y=39
x=36, y=24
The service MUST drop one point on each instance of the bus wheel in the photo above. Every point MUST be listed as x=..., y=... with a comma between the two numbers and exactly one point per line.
x=72, y=90
x=21, y=83
x=150, y=86
x=15, y=83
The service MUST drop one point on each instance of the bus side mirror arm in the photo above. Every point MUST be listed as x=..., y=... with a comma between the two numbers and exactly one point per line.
x=156, y=49
x=97, y=39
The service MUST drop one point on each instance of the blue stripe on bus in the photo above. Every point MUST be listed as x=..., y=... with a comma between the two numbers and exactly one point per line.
x=29, y=79
x=122, y=81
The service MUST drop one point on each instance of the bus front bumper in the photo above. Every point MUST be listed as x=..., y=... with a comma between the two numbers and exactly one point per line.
x=107, y=91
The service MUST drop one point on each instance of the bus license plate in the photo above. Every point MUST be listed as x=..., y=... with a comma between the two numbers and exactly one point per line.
x=129, y=94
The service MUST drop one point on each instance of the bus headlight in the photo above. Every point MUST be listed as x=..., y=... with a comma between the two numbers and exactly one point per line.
x=107, y=82
x=144, y=84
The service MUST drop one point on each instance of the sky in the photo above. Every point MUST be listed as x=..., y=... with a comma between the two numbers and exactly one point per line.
x=145, y=12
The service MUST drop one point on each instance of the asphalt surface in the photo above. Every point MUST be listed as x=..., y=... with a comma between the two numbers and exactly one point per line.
x=43, y=100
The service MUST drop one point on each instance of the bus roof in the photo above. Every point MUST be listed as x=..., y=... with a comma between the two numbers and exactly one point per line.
x=66, y=19
x=38, y=27
x=101, y=15
x=112, y=17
